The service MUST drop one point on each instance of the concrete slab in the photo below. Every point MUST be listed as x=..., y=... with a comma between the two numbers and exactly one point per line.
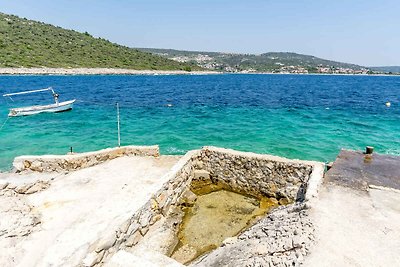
x=79, y=207
x=356, y=228
x=357, y=170
x=146, y=258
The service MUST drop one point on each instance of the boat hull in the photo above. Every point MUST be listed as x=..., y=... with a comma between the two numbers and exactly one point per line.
x=52, y=108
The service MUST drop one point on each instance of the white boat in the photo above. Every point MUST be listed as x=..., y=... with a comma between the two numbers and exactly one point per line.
x=56, y=107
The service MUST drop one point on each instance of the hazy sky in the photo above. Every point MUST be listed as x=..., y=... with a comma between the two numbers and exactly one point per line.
x=363, y=32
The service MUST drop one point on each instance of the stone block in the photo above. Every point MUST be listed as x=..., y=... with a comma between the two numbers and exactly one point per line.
x=27, y=164
x=125, y=226
x=143, y=230
x=145, y=217
x=133, y=227
x=3, y=184
x=23, y=188
x=188, y=198
x=155, y=218
x=133, y=239
x=106, y=242
x=161, y=199
x=92, y=258
x=201, y=175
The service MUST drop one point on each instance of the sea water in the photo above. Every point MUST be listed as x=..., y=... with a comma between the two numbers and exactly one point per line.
x=308, y=117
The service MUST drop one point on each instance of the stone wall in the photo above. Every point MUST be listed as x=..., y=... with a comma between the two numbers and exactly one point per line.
x=284, y=237
x=139, y=223
x=256, y=174
x=49, y=163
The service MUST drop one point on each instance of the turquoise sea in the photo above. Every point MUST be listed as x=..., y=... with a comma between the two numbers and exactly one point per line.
x=296, y=116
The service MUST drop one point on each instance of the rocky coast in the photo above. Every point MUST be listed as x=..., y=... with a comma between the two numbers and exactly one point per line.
x=96, y=71
x=124, y=207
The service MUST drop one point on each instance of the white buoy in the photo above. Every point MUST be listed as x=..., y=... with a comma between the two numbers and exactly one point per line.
x=388, y=104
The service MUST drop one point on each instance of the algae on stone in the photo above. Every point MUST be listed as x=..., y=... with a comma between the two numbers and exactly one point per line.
x=213, y=218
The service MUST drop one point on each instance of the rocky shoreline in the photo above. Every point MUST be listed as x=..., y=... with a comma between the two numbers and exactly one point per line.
x=125, y=209
x=96, y=71
x=115, y=71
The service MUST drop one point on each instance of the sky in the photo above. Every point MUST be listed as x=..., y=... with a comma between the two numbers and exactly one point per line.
x=361, y=32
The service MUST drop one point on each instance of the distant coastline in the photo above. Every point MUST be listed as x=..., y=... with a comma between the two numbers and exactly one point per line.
x=96, y=71
x=118, y=71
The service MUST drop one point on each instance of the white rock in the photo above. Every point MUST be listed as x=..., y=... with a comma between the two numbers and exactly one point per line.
x=106, y=242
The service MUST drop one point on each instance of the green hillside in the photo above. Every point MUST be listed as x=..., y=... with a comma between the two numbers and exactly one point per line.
x=267, y=62
x=387, y=69
x=27, y=43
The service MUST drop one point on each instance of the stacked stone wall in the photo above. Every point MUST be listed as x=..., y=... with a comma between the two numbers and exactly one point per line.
x=136, y=227
x=254, y=174
x=57, y=163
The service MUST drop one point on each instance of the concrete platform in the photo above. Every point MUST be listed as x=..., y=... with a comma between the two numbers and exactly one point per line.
x=356, y=228
x=60, y=222
x=357, y=170
x=357, y=223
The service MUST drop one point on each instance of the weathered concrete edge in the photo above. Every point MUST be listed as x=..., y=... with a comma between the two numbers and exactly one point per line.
x=259, y=156
x=48, y=163
x=315, y=181
x=173, y=172
x=383, y=188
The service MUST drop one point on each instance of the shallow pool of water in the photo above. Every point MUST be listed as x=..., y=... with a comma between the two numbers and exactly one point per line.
x=213, y=218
